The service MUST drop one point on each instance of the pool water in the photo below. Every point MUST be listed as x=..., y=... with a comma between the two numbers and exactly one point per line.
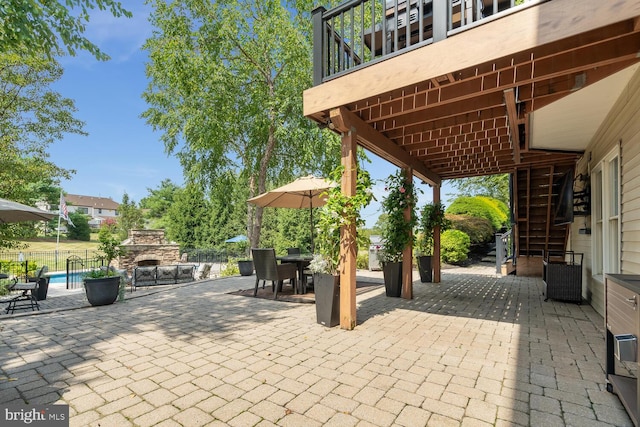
x=62, y=277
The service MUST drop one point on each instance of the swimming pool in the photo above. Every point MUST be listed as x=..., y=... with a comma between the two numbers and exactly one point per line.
x=62, y=277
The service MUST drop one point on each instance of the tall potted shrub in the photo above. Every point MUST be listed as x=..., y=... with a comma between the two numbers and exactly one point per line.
x=102, y=285
x=431, y=216
x=339, y=210
x=397, y=232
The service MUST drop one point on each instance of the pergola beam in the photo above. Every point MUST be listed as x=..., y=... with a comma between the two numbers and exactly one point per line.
x=344, y=120
x=512, y=115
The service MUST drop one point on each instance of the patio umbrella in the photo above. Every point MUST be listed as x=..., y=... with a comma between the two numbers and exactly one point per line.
x=302, y=193
x=237, y=239
x=17, y=212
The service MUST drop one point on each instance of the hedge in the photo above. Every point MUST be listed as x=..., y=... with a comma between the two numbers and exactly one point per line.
x=479, y=230
x=481, y=207
x=454, y=246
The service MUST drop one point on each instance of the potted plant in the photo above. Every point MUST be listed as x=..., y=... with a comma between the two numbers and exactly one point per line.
x=245, y=265
x=431, y=216
x=397, y=231
x=338, y=211
x=103, y=285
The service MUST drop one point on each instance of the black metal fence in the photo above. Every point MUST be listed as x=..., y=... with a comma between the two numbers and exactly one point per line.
x=74, y=263
x=76, y=266
x=21, y=263
x=207, y=255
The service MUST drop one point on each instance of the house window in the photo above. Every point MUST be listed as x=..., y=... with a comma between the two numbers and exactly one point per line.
x=83, y=210
x=99, y=210
x=605, y=183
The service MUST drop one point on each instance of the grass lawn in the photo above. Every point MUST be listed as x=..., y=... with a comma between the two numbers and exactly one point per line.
x=49, y=244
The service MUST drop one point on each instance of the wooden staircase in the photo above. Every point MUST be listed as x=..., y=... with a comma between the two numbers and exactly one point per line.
x=535, y=194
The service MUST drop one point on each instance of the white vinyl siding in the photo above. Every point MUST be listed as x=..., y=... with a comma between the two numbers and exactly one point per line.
x=606, y=218
x=621, y=131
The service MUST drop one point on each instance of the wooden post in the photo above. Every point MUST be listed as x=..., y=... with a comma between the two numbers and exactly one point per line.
x=348, y=246
x=407, y=254
x=436, y=240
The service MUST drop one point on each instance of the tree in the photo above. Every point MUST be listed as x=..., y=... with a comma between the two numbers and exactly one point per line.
x=226, y=83
x=129, y=217
x=42, y=26
x=189, y=218
x=158, y=202
x=81, y=231
x=494, y=186
x=228, y=208
x=32, y=116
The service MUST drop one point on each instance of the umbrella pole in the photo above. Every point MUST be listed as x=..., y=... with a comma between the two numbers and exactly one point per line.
x=311, y=219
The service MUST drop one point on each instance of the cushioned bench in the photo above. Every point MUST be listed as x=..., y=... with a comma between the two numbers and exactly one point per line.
x=163, y=275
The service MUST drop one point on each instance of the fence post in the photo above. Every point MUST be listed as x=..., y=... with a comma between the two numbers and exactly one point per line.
x=318, y=48
x=499, y=253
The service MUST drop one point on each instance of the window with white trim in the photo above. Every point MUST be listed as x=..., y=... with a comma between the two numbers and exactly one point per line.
x=605, y=218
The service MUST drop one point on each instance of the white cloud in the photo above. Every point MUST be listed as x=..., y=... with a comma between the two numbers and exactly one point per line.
x=120, y=37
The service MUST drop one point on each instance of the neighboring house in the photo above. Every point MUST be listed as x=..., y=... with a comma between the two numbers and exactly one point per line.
x=98, y=208
x=546, y=91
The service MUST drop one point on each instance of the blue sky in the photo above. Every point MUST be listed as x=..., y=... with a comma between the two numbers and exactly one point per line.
x=122, y=153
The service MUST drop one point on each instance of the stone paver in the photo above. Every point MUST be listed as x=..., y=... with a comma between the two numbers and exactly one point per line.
x=474, y=350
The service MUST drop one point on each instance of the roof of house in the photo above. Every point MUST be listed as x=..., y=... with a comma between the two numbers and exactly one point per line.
x=90, y=201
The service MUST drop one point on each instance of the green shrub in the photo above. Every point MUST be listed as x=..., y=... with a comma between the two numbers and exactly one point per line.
x=362, y=260
x=17, y=267
x=230, y=268
x=454, y=246
x=4, y=286
x=480, y=207
x=500, y=206
x=479, y=230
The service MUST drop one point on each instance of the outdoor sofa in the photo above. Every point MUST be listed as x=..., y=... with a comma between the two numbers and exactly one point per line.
x=163, y=275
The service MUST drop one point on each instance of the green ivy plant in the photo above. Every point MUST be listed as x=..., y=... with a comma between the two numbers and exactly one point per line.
x=431, y=216
x=338, y=211
x=397, y=232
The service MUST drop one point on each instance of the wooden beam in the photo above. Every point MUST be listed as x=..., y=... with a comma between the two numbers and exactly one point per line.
x=437, y=268
x=348, y=241
x=533, y=69
x=512, y=115
x=344, y=120
x=407, y=253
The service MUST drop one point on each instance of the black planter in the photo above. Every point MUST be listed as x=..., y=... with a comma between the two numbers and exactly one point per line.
x=425, y=268
x=245, y=267
x=102, y=291
x=327, y=290
x=392, y=272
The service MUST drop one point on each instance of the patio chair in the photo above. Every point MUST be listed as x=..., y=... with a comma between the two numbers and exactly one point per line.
x=28, y=298
x=293, y=251
x=267, y=268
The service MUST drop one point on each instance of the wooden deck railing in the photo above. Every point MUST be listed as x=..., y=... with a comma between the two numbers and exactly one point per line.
x=361, y=32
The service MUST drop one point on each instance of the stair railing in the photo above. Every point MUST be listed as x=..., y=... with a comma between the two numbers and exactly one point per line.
x=504, y=249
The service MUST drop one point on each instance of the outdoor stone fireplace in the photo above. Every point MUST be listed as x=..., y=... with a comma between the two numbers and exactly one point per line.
x=147, y=248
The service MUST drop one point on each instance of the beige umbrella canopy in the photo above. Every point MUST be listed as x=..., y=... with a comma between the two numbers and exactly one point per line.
x=302, y=193
x=17, y=212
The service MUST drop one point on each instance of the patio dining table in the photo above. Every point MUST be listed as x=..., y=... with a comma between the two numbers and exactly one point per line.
x=301, y=261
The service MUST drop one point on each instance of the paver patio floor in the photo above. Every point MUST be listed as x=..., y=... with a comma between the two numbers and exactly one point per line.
x=474, y=350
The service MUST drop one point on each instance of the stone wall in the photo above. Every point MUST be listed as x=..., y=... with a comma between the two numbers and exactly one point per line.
x=147, y=237
x=149, y=247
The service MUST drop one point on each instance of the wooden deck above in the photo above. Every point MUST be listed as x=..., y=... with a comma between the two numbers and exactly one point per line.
x=461, y=106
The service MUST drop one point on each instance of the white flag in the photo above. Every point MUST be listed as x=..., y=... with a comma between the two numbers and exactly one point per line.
x=64, y=213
